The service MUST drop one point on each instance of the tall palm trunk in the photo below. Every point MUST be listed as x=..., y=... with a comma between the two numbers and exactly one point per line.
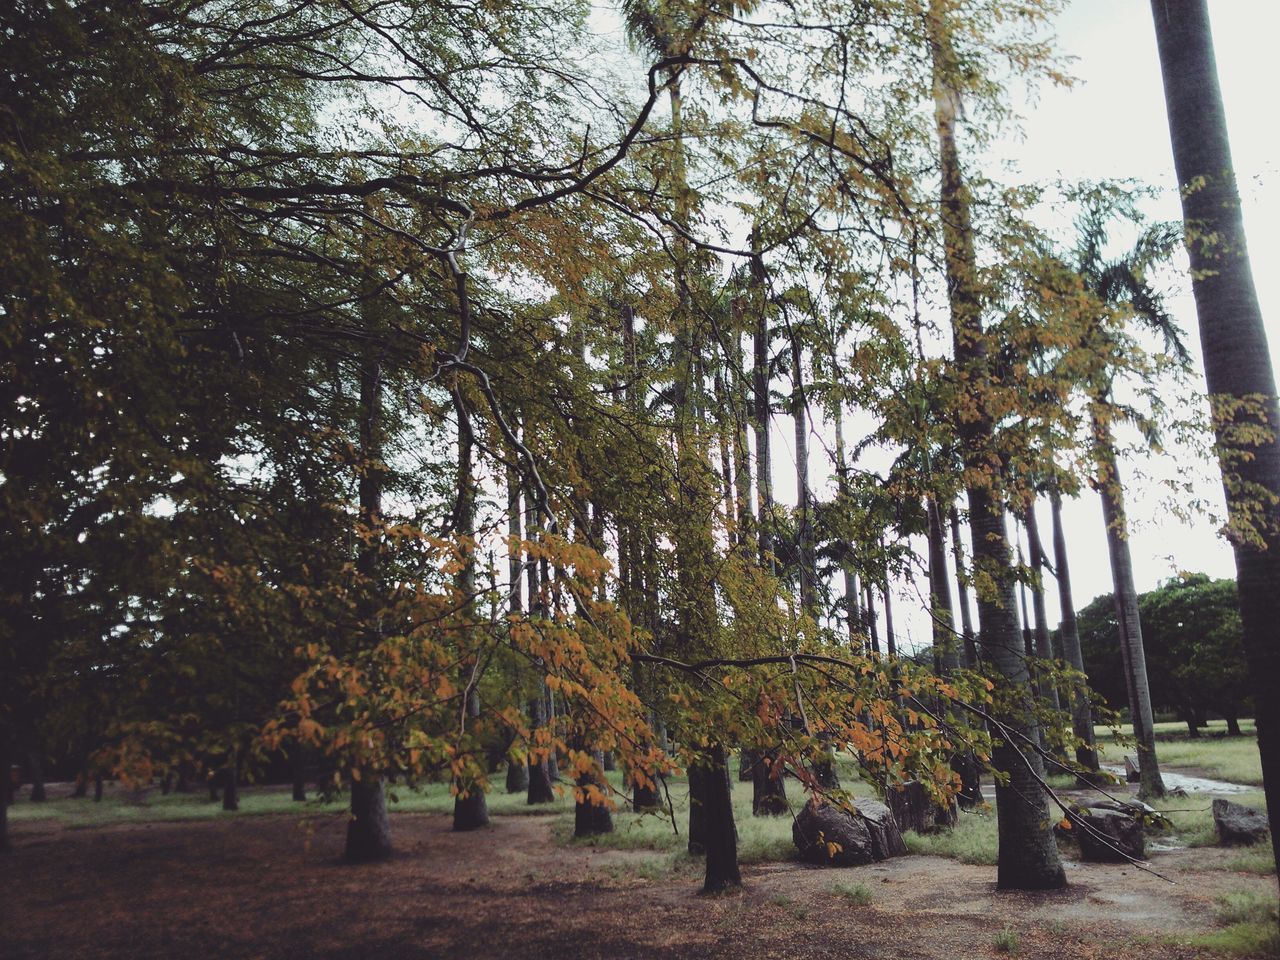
x=1233, y=339
x=1069, y=633
x=1126, y=601
x=1028, y=852
x=852, y=608
x=470, y=807
x=962, y=592
x=711, y=826
x=804, y=531
x=1044, y=643
x=369, y=829
x=945, y=648
x=760, y=385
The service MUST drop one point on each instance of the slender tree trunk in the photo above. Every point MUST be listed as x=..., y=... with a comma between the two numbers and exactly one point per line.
x=1044, y=644
x=470, y=806
x=369, y=829
x=38, y=793
x=1069, y=632
x=1233, y=340
x=741, y=448
x=945, y=647
x=6, y=763
x=869, y=607
x=1028, y=852
x=1126, y=601
x=298, y=770
x=804, y=531
x=890, y=639
x=231, y=782
x=852, y=608
x=962, y=592
x=760, y=422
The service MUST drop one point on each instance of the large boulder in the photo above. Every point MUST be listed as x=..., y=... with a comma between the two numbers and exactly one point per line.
x=1106, y=835
x=1237, y=824
x=829, y=835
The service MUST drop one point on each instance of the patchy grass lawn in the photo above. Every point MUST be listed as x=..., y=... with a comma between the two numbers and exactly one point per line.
x=1233, y=759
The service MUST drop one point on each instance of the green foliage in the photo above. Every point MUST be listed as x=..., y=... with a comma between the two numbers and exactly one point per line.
x=1191, y=635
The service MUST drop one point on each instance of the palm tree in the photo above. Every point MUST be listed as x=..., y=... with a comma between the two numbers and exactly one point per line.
x=1121, y=285
x=1242, y=385
x=711, y=826
x=1028, y=852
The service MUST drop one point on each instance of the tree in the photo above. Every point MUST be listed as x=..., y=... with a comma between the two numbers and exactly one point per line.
x=1028, y=853
x=1241, y=383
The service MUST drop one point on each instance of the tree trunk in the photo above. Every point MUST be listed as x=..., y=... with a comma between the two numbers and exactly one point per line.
x=760, y=422
x=869, y=609
x=1126, y=601
x=1069, y=633
x=298, y=771
x=852, y=608
x=721, y=836
x=6, y=763
x=98, y=787
x=1233, y=725
x=592, y=819
x=804, y=531
x=540, y=782
x=38, y=793
x=962, y=592
x=747, y=760
x=1044, y=644
x=1028, y=852
x=470, y=807
x=945, y=648
x=1233, y=340
x=231, y=783
x=768, y=787
x=517, y=776
x=369, y=829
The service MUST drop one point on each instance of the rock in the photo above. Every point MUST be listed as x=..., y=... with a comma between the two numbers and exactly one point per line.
x=1152, y=819
x=914, y=809
x=868, y=835
x=1131, y=772
x=1237, y=824
x=1106, y=835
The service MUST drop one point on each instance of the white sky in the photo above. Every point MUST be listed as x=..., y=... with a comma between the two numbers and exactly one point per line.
x=1112, y=124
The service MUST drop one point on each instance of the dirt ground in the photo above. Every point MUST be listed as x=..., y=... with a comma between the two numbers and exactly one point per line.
x=274, y=887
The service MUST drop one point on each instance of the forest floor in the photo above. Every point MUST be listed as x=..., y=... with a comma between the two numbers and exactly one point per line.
x=273, y=886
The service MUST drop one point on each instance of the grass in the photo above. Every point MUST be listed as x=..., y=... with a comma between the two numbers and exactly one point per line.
x=760, y=839
x=122, y=806
x=1248, y=922
x=972, y=840
x=855, y=893
x=1233, y=759
x=1006, y=941
x=1192, y=816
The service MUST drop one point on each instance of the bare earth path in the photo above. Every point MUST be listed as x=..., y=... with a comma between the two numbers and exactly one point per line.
x=273, y=887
